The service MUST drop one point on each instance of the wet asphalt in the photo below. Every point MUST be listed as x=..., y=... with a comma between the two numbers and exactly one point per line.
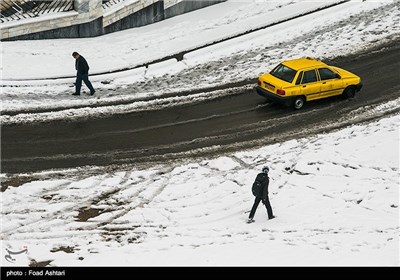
x=210, y=128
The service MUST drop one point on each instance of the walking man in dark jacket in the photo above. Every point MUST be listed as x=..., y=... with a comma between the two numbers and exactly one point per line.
x=82, y=74
x=260, y=191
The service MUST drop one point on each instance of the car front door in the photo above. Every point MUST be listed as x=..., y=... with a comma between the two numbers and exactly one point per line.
x=331, y=83
x=310, y=86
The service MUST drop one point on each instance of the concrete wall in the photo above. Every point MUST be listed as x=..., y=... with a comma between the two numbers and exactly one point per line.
x=181, y=7
x=85, y=21
x=152, y=11
x=147, y=14
x=83, y=30
x=90, y=20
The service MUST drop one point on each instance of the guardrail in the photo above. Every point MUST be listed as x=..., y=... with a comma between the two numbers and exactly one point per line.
x=21, y=9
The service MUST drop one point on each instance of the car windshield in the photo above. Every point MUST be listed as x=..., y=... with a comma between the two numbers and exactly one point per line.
x=284, y=73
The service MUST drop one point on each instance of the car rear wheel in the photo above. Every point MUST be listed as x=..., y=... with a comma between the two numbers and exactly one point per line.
x=349, y=92
x=298, y=102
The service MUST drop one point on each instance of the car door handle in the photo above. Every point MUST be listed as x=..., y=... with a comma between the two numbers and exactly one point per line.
x=324, y=83
x=304, y=86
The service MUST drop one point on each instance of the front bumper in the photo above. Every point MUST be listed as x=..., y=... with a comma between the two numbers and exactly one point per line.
x=287, y=100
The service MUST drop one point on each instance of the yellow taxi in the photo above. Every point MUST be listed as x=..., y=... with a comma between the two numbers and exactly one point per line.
x=293, y=82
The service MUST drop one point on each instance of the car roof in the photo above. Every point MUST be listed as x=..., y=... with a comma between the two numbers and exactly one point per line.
x=305, y=62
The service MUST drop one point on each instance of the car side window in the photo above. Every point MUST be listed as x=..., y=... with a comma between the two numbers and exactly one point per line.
x=309, y=77
x=299, y=78
x=326, y=74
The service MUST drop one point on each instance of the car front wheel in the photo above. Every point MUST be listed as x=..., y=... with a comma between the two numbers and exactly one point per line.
x=349, y=93
x=298, y=103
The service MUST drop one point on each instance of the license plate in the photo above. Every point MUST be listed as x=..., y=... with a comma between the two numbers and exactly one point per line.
x=268, y=87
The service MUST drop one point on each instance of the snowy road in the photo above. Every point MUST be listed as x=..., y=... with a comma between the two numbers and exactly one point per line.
x=335, y=195
x=237, y=118
x=194, y=147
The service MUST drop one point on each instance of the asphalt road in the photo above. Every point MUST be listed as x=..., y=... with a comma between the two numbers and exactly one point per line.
x=212, y=127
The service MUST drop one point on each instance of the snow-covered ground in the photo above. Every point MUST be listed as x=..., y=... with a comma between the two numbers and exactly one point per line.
x=336, y=196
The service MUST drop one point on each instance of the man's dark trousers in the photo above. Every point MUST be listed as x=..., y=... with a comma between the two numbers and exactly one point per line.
x=267, y=205
x=78, y=84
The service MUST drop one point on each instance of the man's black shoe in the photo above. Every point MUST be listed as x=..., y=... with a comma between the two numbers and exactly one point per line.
x=91, y=93
x=76, y=94
x=250, y=220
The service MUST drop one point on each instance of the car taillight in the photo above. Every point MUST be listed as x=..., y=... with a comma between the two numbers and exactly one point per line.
x=280, y=92
x=259, y=82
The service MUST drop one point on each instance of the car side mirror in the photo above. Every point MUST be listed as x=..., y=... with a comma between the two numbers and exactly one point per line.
x=337, y=76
